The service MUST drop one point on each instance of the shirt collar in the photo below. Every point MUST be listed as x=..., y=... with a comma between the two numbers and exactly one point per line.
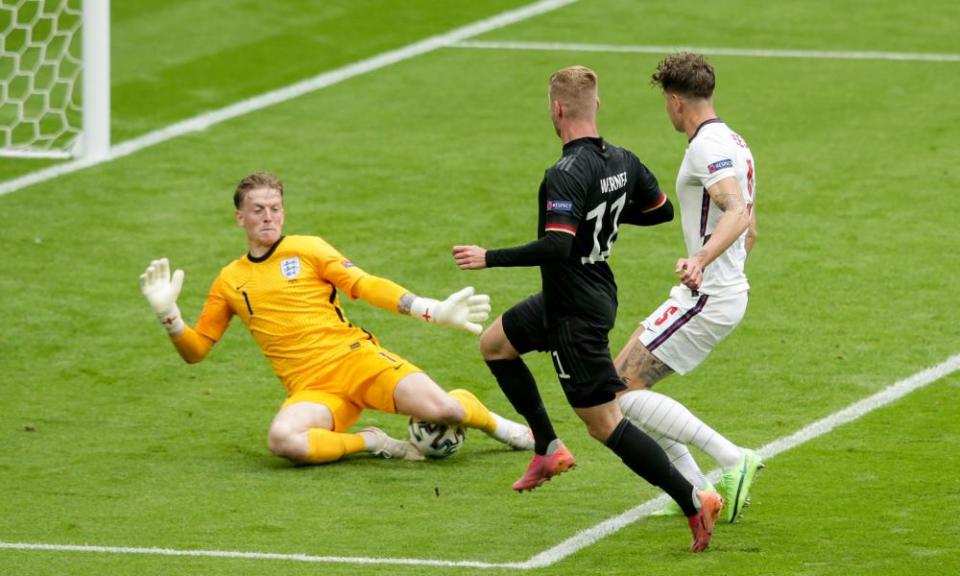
x=585, y=141
x=257, y=259
x=702, y=124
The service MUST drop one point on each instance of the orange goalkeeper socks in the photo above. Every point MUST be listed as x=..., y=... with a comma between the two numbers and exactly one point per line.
x=475, y=414
x=329, y=446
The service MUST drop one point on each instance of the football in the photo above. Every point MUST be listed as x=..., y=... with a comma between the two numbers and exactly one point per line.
x=435, y=440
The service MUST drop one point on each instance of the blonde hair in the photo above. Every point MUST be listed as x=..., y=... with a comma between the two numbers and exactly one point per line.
x=256, y=181
x=575, y=87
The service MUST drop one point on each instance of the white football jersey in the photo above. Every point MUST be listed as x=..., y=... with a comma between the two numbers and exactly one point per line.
x=715, y=152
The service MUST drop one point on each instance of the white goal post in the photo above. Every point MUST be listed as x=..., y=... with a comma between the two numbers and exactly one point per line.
x=55, y=78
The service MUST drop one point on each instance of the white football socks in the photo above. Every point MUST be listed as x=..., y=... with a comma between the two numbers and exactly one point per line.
x=663, y=416
x=683, y=461
x=512, y=433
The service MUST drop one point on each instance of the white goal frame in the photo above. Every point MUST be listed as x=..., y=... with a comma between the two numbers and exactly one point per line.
x=95, y=127
x=93, y=138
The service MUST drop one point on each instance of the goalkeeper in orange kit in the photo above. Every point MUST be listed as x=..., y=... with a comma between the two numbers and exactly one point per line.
x=285, y=291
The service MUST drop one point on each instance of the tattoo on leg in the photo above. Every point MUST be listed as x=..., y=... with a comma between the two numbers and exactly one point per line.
x=656, y=371
x=642, y=368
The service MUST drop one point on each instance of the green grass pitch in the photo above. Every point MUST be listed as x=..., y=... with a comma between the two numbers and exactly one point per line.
x=108, y=439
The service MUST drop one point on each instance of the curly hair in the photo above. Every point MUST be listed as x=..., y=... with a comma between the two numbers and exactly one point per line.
x=256, y=181
x=686, y=74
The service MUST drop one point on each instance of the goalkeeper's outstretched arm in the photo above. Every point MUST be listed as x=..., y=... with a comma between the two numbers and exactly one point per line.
x=161, y=289
x=462, y=309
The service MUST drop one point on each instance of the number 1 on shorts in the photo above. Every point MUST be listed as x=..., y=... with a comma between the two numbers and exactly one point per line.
x=559, y=366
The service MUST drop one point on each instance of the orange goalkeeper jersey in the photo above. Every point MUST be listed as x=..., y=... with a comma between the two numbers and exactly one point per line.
x=288, y=300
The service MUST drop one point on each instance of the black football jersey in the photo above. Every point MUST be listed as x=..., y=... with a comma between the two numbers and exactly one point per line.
x=585, y=194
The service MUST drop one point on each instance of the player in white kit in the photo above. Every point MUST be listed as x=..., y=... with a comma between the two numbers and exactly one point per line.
x=716, y=185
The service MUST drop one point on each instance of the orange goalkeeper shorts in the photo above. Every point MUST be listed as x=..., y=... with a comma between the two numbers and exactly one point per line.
x=365, y=378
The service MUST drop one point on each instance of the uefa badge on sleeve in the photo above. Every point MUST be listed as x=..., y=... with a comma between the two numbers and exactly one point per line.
x=290, y=268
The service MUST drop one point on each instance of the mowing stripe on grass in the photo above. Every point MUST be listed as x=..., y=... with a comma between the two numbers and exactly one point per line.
x=581, y=539
x=747, y=52
x=206, y=120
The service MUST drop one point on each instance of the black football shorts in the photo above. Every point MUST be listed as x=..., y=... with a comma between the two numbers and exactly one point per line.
x=579, y=349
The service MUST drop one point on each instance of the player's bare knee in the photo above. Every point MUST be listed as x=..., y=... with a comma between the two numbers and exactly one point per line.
x=599, y=431
x=495, y=346
x=600, y=425
x=283, y=441
x=489, y=347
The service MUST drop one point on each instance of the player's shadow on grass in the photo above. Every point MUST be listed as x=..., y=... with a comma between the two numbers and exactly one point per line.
x=254, y=459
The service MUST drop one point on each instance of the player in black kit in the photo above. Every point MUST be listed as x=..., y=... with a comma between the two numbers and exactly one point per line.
x=583, y=199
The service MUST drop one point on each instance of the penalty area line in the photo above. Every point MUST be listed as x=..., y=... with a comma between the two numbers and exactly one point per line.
x=581, y=539
x=745, y=52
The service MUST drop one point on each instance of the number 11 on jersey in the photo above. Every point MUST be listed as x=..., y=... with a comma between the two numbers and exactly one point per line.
x=599, y=254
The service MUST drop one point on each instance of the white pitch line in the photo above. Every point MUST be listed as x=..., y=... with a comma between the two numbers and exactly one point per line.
x=747, y=52
x=856, y=410
x=253, y=555
x=206, y=120
x=581, y=539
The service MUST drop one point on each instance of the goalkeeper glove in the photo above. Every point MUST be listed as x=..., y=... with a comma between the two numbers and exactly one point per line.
x=161, y=292
x=462, y=309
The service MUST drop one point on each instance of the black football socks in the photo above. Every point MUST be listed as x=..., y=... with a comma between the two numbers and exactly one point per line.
x=520, y=388
x=644, y=456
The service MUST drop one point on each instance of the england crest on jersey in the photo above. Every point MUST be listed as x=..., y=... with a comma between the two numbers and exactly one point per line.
x=290, y=268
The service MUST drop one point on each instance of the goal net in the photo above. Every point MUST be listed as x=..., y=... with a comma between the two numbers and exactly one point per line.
x=54, y=78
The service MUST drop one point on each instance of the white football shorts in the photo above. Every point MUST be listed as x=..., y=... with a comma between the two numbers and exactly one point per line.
x=685, y=328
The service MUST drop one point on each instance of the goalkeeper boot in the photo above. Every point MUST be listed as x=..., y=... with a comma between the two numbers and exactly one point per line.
x=386, y=447
x=556, y=461
x=735, y=484
x=702, y=523
x=673, y=509
x=513, y=434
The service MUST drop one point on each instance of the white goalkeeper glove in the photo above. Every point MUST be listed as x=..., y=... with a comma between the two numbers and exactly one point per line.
x=161, y=292
x=462, y=309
